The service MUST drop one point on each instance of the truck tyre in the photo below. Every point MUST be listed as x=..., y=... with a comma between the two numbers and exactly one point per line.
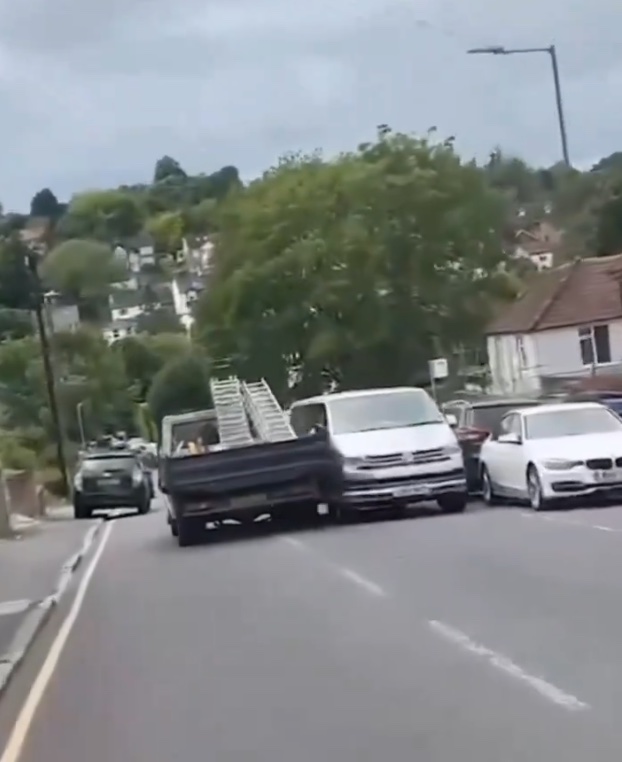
x=189, y=532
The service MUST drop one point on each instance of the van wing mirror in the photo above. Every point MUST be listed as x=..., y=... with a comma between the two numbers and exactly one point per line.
x=452, y=420
x=511, y=438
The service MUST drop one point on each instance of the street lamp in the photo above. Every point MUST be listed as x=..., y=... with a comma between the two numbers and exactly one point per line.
x=499, y=50
x=33, y=252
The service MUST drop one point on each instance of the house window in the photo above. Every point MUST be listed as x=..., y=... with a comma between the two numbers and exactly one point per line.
x=594, y=345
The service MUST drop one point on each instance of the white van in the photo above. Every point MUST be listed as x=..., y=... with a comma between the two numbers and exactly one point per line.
x=397, y=447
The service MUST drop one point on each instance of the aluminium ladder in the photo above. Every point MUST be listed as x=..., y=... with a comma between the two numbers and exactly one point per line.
x=233, y=427
x=268, y=417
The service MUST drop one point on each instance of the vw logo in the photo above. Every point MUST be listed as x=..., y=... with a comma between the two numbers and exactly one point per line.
x=408, y=457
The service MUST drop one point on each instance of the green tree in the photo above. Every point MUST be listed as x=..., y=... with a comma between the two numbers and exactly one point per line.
x=608, y=233
x=181, y=385
x=106, y=215
x=167, y=168
x=16, y=281
x=15, y=324
x=45, y=204
x=83, y=271
x=167, y=230
x=356, y=270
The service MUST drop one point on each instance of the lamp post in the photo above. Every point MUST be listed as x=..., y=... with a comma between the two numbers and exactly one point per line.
x=499, y=50
x=33, y=253
x=80, y=414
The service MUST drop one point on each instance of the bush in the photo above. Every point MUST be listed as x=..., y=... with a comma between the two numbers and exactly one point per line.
x=15, y=456
x=51, y=479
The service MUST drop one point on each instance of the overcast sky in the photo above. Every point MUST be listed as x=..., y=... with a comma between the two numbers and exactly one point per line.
x=93, y=92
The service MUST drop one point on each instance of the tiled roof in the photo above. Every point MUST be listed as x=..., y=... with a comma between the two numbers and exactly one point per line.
x=582, y=292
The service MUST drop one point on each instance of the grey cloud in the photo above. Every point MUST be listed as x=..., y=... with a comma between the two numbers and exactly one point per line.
x=92, y=93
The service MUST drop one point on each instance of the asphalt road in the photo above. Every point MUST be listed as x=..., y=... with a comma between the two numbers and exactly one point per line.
x=496, y=635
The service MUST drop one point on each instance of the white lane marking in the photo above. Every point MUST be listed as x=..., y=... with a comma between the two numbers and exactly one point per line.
x=351, y=575
x=19, y=733
x=362, y=582
x=570, y=522
x=298, y=544
x=547, y=690
x=14, y=607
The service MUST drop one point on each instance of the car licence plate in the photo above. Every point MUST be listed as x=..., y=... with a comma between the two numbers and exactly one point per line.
x=411, y=490
x=247, y=501
x=109, y=482
x=609, y=476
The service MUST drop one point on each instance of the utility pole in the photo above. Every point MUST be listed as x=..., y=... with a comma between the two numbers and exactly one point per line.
x=33, y=254
x=550, y=50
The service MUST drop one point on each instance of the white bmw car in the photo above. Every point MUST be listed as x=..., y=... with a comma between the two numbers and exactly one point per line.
x=552, y=453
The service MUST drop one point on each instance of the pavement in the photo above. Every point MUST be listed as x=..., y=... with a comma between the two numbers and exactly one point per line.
x=493, y=635
x=32, y=565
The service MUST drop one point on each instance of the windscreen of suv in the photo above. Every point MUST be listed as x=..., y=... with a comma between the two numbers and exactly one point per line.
x=382, y=410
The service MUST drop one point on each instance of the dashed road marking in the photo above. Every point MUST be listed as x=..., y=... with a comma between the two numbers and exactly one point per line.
x=368, y=585
x=365, y=584
x=567, y=521
x=502, y=663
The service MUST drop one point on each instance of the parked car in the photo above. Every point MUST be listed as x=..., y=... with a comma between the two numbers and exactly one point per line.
x=113, y=479
x=474, y=421
x=612, y=400
x=552, y=454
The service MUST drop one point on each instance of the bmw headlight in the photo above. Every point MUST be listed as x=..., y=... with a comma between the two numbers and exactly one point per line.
x=560, y=464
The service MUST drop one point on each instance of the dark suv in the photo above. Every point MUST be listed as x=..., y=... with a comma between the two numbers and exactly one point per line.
x=474, y=421
x=114, y=479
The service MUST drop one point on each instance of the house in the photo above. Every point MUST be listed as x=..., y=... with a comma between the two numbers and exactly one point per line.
x=196, y=253
x=185, y=290
x=125, y=304
x=60, y=315
x=138, y=252
x=538, y=242
x=120, y=329
x=567, y=325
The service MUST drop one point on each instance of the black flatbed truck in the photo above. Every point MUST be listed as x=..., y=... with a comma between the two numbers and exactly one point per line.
x=287, y=480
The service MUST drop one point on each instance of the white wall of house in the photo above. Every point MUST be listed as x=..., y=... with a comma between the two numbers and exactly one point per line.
x=116, y=333
x=543, y=260
x=517, y=362
x=126, y=313
x=513, y=361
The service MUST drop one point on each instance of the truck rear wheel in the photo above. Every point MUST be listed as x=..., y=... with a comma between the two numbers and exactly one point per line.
x=189, y=531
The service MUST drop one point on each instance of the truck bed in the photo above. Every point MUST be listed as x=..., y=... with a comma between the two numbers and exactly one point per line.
x=264, y=467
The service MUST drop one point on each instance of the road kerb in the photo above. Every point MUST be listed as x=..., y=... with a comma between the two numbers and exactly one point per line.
x=40, y=611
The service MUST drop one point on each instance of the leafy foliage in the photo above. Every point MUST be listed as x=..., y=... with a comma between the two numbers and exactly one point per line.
x=181, y=385
x=356, y=270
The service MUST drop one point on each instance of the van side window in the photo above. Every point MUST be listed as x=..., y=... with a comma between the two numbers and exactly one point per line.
x=305, y=418
x=297, y=420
